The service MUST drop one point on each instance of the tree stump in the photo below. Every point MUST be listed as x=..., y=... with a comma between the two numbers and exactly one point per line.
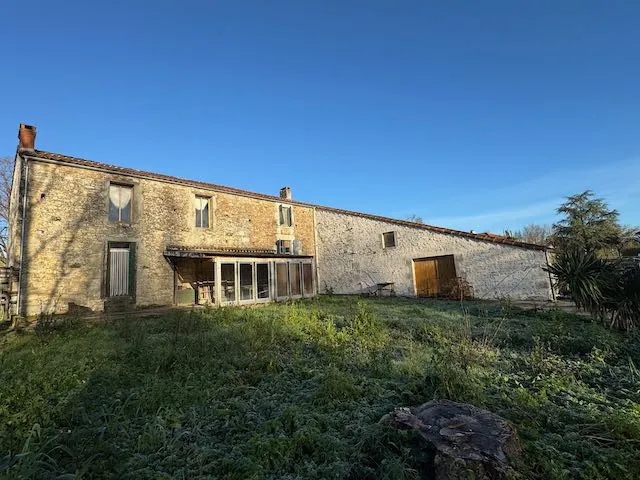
x=470, y=443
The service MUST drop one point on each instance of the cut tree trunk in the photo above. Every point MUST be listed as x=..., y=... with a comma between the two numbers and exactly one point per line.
x=471, y=443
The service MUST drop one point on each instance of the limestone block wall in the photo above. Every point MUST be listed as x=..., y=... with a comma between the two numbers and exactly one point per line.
x=350, y=254
x=67, y=231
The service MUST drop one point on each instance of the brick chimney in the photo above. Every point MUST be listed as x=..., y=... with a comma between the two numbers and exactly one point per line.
x=285, y=192
x=27, y=137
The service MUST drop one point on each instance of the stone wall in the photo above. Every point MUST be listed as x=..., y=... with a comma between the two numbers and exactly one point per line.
x=67, y=231
x=351, y=256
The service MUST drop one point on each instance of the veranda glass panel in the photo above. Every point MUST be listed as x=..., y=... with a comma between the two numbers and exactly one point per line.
x=246, y=281
x=307, y=274
x=262, y=280
x=294, y=276
x=282, y=289
x=228, y=281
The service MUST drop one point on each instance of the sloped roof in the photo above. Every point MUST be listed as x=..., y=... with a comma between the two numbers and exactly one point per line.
x=83, y=163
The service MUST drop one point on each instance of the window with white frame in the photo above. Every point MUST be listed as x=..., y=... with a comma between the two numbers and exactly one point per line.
x=246, y=281
x=388, y=239
x=231, y=281
x=228, y=282
x=120, y=197
x=295, y=279
x=282, y=280
x=202, y=212
x=307, y=277
x=262, y=280
x=286, y=218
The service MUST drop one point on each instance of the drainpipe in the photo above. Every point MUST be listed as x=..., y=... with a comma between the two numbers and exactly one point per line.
x=315, y=250
x=22, y=234
x=553, y=291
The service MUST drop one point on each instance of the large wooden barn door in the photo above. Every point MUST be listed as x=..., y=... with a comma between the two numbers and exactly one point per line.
x=426, y=278
x=434, y=275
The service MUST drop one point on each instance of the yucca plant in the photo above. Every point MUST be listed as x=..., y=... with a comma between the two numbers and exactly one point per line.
x=624, y=300
x=581, y=274
x=609, y=290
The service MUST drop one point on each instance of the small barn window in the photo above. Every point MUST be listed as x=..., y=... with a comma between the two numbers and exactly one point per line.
x=202, y=212
x=285, y=216
x=120, y=203
x=388, y=239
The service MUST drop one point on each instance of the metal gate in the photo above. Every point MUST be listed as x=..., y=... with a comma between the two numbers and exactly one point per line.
x=118, y=272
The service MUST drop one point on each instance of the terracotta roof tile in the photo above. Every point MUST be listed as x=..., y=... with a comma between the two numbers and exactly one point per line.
x=80, y=162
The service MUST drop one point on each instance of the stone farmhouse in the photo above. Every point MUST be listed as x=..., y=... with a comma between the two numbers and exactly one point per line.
x=90, y=236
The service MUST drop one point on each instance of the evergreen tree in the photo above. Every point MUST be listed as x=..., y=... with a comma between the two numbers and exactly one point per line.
x=589, y=226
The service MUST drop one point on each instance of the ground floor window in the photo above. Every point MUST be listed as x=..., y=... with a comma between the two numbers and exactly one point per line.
x=242, y=280
x=246, y=281
x=262, y=280
x=295, y=278
x=282, y=275
x=307, y=276
x=228, y=281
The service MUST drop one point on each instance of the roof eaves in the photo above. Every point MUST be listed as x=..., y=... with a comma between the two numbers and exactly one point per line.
x=90, y=164
x=83, y=163
x=433, y=228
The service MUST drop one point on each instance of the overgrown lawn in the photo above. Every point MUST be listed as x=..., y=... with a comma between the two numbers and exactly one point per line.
x=297, y=390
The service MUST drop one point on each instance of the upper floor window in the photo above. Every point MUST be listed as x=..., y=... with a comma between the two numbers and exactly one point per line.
x=388, y=239
x=285, y=215
x=202, y=212
x=120, y=203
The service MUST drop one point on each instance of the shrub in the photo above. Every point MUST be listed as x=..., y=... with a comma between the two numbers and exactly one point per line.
x=610, y=290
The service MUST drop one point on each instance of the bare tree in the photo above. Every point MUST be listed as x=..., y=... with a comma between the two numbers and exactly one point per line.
x=629, y=241
x=6, y=176
x=414, y=218
x=532, y=233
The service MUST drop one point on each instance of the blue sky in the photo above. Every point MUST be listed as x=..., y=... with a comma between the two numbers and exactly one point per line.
x=472, y=115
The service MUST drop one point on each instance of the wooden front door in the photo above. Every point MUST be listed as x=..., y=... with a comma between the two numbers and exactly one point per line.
x=434, y=275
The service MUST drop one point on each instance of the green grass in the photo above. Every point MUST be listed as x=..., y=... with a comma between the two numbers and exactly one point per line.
x=297, y=390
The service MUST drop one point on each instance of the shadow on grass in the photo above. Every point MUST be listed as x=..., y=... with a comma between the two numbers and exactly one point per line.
x=232, y=393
